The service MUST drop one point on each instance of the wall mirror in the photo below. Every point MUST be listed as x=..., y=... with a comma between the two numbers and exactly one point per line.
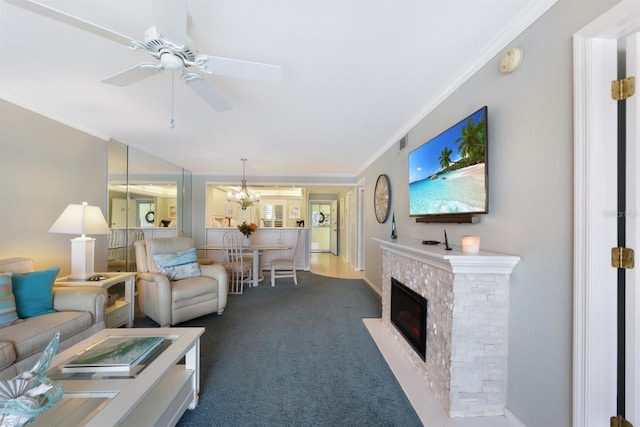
x=147, y=197
x=143, y=205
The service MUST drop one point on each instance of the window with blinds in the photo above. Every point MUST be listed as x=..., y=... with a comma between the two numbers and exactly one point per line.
x=273, y=214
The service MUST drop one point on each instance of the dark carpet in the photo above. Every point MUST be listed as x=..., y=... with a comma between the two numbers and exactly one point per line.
x=296, y=356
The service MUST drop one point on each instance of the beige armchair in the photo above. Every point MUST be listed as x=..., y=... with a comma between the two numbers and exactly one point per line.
x=167, y=301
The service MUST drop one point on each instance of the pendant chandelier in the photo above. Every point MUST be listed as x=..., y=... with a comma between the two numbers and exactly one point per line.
x=243, y=197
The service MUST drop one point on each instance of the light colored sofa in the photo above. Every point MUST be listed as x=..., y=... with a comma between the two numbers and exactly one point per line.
x=80, y=314
x=169, y=302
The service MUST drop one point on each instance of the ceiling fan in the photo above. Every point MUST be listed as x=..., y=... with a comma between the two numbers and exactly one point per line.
x=172, y=49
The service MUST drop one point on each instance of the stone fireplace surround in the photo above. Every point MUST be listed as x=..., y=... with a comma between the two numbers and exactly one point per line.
x=467, y=324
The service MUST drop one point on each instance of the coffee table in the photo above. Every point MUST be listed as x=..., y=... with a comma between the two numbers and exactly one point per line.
x=157, y=395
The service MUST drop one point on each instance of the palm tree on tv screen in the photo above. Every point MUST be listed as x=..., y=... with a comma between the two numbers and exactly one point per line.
x=445, y=157
x=471, y=142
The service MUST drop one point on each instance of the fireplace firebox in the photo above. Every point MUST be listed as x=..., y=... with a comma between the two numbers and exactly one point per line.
x=409, y=316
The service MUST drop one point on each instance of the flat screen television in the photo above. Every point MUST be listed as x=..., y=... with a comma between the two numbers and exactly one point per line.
x=448, y=174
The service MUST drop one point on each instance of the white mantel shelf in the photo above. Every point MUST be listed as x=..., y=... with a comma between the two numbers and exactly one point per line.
x=454, y=260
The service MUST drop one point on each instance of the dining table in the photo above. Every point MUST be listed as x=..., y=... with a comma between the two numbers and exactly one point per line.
x=255, y=249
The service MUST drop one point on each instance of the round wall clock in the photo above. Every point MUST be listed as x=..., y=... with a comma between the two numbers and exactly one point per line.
x=382, y=198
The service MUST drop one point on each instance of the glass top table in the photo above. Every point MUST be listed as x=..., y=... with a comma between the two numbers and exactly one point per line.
x=157, y=394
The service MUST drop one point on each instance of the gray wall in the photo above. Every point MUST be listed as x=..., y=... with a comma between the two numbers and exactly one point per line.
x=530, y=202
x=44, y=166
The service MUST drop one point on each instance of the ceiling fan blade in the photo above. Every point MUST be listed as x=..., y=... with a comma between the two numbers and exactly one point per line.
x=65, y=18
x=170, y=18
x=206, y=91
x=133, y=74
x=242, y=69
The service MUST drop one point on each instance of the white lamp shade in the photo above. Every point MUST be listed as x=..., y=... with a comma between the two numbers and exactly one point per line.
x=81, y=219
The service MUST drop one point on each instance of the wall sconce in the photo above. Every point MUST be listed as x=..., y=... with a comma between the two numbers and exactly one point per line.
x=470, y=244
x=81, y=219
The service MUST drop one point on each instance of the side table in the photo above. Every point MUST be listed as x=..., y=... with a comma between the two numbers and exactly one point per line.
x=121, y=312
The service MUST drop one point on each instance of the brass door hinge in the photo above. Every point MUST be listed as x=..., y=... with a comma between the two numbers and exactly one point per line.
x=622, y=258
x=623, y=88
x=619, y=421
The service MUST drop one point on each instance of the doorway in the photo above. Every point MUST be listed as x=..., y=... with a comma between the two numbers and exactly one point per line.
x=320, y=221
x=146, y=210
x=595, y=218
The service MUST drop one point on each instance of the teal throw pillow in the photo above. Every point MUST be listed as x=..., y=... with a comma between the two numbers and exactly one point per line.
x=34, y=292
x=178, y=265
x=8, y=315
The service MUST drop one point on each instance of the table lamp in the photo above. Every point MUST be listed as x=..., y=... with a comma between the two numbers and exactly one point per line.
x=81, y=219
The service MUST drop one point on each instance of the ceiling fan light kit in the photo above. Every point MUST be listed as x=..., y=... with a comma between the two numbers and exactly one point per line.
x=171, y=62
x=175, y=52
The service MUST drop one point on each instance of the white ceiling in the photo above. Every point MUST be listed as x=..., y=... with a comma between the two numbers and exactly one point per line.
x=357, y=75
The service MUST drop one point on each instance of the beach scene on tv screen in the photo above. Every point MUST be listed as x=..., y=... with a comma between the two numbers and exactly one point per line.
x=447, y=174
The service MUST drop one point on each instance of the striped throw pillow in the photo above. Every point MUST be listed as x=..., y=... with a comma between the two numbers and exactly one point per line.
x=8, y=314
x=178, y=265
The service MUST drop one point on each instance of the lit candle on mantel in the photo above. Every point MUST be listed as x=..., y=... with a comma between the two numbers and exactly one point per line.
x=470, y=244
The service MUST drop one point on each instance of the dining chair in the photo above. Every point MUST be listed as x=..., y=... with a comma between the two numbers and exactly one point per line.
x=238, y=267
x=285, y=267
x=137, y=235
x=116, y=261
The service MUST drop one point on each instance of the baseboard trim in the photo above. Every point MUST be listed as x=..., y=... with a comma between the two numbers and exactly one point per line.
x=372, y=286
x=513, y=419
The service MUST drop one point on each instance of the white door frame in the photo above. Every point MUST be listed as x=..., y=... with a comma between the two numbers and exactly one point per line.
x=632, y=373
x=349, y=219
x=594, y=360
